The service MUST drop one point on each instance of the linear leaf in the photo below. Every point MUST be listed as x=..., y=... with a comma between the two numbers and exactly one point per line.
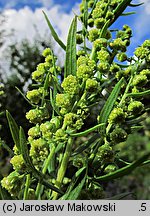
x=53, y=32
x=128, y=13
x=104, y=29
x=104, y=114
x=72, y=184
x=71, y=64
x=87, y=131
x=95, y=1
x=24, y=96
x=24, y=149
x=76, y=192
x=136, y=5
x=123, y=171
x=13, y=129
x=139, y=94
x=120, y=8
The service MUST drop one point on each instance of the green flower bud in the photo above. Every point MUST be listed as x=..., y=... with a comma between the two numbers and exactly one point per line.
x=146, y=72
x=93, y=34
x=99, y=22
x=117, y=115
x=141, y=52
x=46, y=52
x=81, y=6
x=38, y=76
x=110, y=168
x=146, y=44
x=57, y=121
x=47, y=129
x=90, y=3
x=114, y=68
x=16, y=150
x=91, y=22
x=140, y=80
x=79, y=39
x=18, y=163
x=118, y=135
x=70, y=85
x=34, y=96
x=66, y=180
x=34, y=131
x=135, y=90
x=109, y=15
x=73, y=121
x=82, y=60
x=63, y=100
x=100, y=43
x=61, y=135
x=91, y=85
x=122, y=57
x=84, y=72
x=37, y=115
x=105, y=153
x=103, y=55
x=118, y=44
x=97, y=13
x=39, y=151
x=135, y=107
x=12, y=183
x=103, y=67
x=49, y=59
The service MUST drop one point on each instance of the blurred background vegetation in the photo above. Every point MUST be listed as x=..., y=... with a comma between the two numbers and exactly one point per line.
x=19, y=61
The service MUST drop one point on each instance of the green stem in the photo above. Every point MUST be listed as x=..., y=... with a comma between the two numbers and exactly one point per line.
x=87, y=131
x=27, y=184
x=47, y=162
x=63, y=167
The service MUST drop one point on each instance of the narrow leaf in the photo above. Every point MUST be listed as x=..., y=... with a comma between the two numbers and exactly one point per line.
x=46, y=84
x=24, y=96
x=139, y=94
x=13, y=129
x=72, y=184
x=128, y=13
x=136, y=5
x=123, y=171
x=87, y=131
x=95, y=1
x=120, y=8
x=71, y=64
x=54, y=34
x=24, y=149
x=76, y=192
x=85, y=14
x=104, y=29
x=105, y=112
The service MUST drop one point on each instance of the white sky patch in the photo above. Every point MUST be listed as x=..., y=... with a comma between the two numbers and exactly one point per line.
x=24, y=21
x=47, y=3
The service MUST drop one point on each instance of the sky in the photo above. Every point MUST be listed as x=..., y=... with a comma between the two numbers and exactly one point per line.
x=24, y=15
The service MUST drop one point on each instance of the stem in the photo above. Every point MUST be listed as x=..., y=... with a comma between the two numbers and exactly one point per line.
x=87, y=131
x=47, y=162
x=27, y=184
x=63, y=167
